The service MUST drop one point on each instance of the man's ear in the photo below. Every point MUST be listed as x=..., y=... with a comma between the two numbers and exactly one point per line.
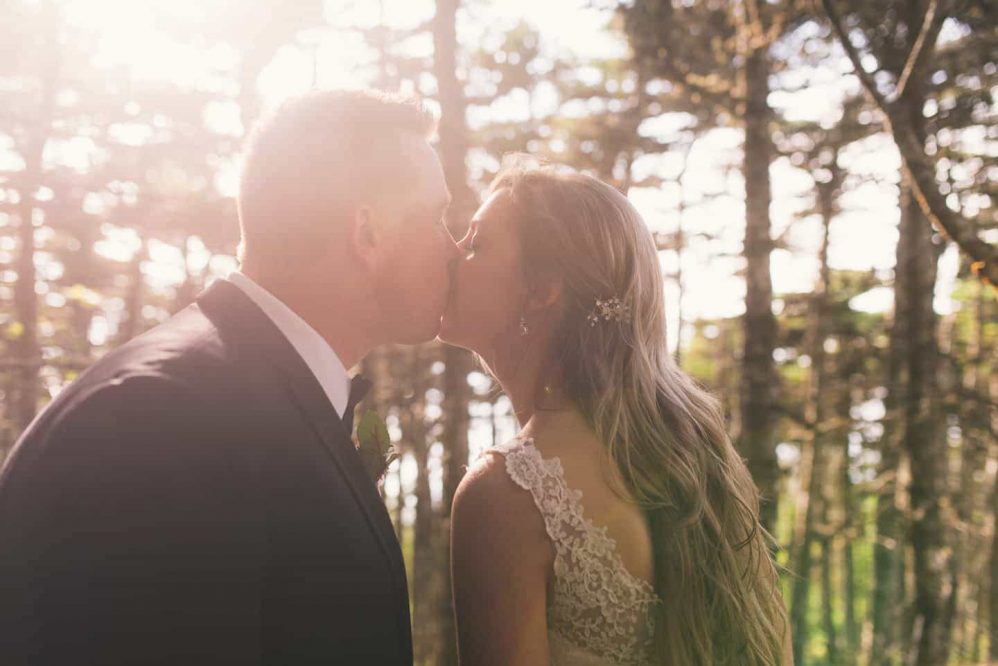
x=366, y=235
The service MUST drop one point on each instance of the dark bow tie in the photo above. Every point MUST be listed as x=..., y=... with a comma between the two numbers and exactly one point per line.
x=359, y=387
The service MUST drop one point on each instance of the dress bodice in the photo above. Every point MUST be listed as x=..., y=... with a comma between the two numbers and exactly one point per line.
x=600, y=613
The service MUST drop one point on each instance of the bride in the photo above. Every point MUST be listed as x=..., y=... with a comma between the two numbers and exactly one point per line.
x=619, y=526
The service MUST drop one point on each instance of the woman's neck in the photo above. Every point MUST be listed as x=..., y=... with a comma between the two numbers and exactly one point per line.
x=533, y=386
x=521, y=388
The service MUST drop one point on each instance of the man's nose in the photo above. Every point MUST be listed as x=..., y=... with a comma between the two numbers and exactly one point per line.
x=455, y=255
x=455, y=250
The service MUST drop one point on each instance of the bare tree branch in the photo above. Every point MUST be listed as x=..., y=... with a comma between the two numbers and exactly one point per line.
x=853, y=54
x=721, y=96
x=927, y=35
x=754, y=22
x=919, y=168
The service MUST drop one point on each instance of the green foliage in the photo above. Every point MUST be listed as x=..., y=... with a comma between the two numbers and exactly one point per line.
x=121, y=172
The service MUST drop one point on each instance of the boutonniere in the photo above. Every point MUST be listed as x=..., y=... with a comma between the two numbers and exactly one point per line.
x=375, y=445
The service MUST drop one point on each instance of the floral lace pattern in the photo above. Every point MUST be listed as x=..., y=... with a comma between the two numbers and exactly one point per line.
x=598, y=606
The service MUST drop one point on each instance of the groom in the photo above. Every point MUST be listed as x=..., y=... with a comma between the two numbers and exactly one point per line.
x=195, y=497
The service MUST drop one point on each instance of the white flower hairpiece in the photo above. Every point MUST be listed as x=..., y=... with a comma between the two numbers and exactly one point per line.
x=611, y=309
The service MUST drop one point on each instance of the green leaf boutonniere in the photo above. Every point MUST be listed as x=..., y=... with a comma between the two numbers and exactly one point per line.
x=376, y=449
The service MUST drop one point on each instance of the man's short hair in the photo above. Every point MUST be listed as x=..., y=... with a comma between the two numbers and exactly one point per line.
x=308, y=161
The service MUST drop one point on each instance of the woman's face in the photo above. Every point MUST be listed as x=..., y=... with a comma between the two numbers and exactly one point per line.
x=487, y=292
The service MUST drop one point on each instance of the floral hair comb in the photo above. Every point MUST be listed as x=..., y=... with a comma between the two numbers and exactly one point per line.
x=611, y=309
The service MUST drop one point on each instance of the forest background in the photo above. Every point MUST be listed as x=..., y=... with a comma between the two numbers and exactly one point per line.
x=820, y=177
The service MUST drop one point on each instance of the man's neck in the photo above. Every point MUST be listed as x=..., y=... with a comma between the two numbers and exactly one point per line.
x=330, y=315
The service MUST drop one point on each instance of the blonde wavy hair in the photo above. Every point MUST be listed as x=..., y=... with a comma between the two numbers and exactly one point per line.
x=713, y=569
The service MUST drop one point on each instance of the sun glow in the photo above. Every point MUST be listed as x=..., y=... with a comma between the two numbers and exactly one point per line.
x=203, y=47
x=132, y=34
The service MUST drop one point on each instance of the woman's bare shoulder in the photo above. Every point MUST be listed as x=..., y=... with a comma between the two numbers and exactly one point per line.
x=489, y=504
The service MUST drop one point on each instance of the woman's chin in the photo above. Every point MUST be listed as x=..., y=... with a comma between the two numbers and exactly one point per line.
x=450, y=333
x=446, y=332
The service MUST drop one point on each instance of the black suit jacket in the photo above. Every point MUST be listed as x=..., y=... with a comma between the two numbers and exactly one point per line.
x=193, y=498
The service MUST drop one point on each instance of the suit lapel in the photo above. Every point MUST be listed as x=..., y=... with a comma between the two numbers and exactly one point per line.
x=330, y=429
x=247, y=321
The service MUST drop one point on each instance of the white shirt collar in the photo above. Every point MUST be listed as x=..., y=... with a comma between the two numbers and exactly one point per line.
x=314, y=350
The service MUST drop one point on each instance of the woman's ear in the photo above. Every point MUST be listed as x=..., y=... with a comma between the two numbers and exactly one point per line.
x=544, y=295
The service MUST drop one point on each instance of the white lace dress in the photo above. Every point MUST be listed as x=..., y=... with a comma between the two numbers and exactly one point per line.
x=600, y=614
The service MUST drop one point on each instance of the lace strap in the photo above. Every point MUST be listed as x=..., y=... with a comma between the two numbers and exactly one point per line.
x=506, y=448
x=544, y=478
x=597, y=603
x=561, y=508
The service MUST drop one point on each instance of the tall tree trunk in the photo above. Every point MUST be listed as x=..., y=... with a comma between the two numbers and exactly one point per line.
x=977, y=472
x=25, y=298
x=681, y=250
x=974, y=479
x=849, y=599
x=26, y=303
x=131, y=324
x=888, y=549
x=79, y=269
x=726, y=376
x=827, y=620
x=189, y=288
x=993, y=573
x=989, y=392
x=455, y=441
x=424, y=560
x=812, y=456
x=400, y=504
x=888, y=560
x=758, y=385
x=802, y=562
x=379, y=367
x=851, y=511
x=923, y=434
x=457, y=363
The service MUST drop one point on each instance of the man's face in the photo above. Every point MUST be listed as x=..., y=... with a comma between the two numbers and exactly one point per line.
x=414, y=278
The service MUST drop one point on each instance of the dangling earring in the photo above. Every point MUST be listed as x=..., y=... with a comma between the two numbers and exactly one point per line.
x=523, y=326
